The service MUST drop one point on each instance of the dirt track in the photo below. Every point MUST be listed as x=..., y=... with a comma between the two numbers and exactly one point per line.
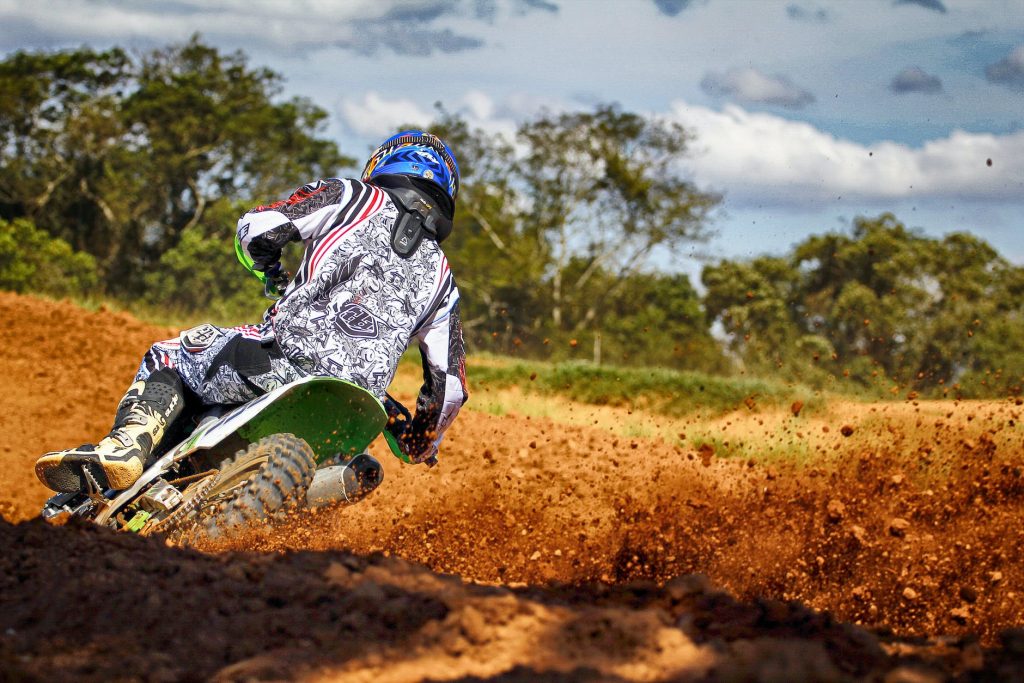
x=910, y=524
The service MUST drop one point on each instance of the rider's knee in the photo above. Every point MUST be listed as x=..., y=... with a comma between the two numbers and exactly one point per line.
x=347, y=482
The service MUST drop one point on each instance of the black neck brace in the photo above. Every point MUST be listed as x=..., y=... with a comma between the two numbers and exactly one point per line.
x=420, y=213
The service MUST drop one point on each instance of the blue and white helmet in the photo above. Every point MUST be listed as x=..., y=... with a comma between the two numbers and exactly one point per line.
x=419, y=154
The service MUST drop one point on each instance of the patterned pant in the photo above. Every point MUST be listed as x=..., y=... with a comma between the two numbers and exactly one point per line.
x=223, y=365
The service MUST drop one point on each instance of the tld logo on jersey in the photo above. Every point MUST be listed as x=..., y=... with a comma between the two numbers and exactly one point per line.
x=200, y=338
x=356, y=321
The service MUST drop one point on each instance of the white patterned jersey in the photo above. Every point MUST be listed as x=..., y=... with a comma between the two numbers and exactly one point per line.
x=354, y=305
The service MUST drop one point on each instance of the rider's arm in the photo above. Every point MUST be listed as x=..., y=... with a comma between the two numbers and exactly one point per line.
x=309, y=212
x=444, y=380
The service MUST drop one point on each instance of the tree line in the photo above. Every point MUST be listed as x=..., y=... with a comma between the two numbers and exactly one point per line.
x=123, y=174
x=144, y=161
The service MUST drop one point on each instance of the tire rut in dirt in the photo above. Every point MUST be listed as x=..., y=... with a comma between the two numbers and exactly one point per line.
x=256, y=483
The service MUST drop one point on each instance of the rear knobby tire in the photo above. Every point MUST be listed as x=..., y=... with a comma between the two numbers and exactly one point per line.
x=263, y=479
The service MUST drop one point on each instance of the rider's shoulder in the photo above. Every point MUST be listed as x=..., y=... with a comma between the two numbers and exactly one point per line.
x=354, y=187
x=337, y=180
x=332, y=181
x=433, y=252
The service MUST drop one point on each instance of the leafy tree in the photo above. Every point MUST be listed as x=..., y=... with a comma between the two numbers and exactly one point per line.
x=607, y=184
x=121, y=156
x=58, y=123
x=755, y=301
x=200, y=273
x=556, y=226
x=499, y=257
x=975, y=328
x=657, y=319
x=885, y=306
x=867, y=292
x=32, y=261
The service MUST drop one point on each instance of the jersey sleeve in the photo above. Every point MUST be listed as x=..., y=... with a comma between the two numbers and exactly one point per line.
x=444, y=388
x=309, y=212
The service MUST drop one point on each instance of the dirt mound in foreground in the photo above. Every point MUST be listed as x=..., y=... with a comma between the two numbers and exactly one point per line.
x=86, y=604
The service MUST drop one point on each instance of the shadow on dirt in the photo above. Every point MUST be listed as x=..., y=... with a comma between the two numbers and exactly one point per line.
x=85, y=604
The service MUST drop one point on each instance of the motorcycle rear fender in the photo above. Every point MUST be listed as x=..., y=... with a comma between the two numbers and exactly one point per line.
x=331, y=415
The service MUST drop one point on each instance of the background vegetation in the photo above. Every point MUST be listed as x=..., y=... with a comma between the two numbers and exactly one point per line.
x=122, y=176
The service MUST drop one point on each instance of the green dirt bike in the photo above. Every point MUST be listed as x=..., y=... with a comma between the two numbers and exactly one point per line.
x=240, y=466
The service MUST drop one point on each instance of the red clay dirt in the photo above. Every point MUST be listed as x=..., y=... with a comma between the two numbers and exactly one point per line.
x=576, y=551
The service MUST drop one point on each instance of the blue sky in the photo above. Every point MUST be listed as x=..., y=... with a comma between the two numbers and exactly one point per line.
x=806, y=113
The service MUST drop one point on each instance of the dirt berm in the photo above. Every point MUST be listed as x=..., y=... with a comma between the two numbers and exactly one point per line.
x=575, y=550
x=86, y=604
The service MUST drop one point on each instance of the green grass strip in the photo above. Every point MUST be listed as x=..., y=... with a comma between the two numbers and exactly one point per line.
x=668, y=392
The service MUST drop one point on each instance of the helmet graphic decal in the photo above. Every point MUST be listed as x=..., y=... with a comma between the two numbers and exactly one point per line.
x=416, y=153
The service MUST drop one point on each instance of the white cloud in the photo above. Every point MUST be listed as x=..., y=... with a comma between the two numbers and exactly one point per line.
x=753, y=86
x=259, y=20
x=479, y=105
x=758, y=158
x=373, y=116
x=411, y=27
x=766, y=159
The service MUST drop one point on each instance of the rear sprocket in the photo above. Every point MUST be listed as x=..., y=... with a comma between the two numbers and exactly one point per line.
x=183, y=517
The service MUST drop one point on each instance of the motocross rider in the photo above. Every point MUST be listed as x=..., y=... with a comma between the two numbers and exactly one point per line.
x=372, y=279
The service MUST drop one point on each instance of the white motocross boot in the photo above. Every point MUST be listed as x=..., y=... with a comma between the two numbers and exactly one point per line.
x=117, y=461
